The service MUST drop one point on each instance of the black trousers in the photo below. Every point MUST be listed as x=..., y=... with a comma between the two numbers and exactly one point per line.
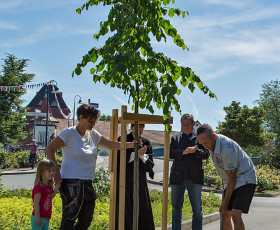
x=78, y=202
x=32, y=159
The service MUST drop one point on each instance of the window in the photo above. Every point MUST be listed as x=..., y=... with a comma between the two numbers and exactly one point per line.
x=41, y=137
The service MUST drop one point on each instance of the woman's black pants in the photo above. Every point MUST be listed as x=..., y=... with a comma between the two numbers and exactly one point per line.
x=78, y=202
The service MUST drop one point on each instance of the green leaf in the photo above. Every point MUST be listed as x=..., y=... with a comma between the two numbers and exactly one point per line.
x=171, y=12
x=166, y=2
x=184, y=14
x=158, y=105
x=178, y=12
x=78, y=70
x=129, y=19
x=178, y=91
x=143, y=52
x=142, y=104
x=92, y=71
x=150, y=108
x=78, y=11
x=191, y=87
x=100, y=67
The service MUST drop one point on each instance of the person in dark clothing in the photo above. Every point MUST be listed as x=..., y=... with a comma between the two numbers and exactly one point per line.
x=33, y=153
x=187, y=172
x=146, y=220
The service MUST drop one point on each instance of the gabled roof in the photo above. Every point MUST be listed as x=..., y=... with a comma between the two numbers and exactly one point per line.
x=39, y=102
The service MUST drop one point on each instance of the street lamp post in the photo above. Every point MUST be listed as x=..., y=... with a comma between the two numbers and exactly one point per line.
x=80, y=100
x=47, y=113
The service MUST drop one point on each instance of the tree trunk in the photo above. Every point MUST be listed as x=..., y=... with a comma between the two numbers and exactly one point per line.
x=136, y=170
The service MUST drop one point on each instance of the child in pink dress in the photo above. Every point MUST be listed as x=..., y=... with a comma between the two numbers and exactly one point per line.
x=42, y=195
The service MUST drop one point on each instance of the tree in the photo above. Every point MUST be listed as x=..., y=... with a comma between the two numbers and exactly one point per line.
x=244, y=125
x=128, y=61
x=12, y=121
x=104, y=117
x=270, y=101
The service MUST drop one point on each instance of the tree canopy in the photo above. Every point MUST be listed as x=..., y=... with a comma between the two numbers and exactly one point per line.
x=12, y=121
x=128, y=61
x=104, y=117
x=244, y=125
x=270, y=101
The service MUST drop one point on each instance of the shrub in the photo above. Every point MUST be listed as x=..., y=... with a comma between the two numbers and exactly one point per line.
x=17, y=159
x=2, y=187
x=211, y=176
x=101, y=183
x=268, y=178
x=5, y=161
x=8, y=193
x=16, y=208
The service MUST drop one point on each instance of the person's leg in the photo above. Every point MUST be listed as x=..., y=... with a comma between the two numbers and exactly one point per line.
x=241, y=201
x=32, y=160
x=72, y=195
x=227, y=221
x=33, y=225
x=86, y=213
x=237, y=219
x=194, y=192
x=177, y=200
x=45, y=225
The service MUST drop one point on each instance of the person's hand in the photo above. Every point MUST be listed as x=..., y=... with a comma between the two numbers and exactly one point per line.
x=139, y=142
x=58, y=184
x=57, y=178
x=38, y=221
x=190, y=150
x=223, y=208
x=142, y=151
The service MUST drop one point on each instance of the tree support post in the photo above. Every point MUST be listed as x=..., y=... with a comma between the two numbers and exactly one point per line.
x=113, y=169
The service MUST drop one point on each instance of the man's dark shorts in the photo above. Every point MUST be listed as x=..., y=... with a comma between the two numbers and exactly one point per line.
x=242, y=197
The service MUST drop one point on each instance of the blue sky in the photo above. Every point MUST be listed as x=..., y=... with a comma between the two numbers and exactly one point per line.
x=234, y=46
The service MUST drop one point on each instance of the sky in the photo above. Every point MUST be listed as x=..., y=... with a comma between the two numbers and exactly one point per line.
x=234, y=46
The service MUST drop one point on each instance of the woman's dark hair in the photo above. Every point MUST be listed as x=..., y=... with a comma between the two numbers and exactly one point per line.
x=88, y=111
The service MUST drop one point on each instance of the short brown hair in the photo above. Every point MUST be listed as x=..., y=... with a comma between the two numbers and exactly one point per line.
x=187, y=116
x=88, y=111
x=204, y=128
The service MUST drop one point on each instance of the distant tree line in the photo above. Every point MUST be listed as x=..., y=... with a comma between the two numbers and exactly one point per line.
x=257, y=129
x=104, y=117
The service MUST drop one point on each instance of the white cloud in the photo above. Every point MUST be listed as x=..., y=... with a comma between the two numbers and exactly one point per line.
x=194, y=108
x=234, y=3
x=7, y=26
x=4, y=4
x=123, y=102
x=220, y=112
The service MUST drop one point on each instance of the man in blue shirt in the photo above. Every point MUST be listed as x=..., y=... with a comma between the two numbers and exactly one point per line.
x=187, y=173
x=237, y=172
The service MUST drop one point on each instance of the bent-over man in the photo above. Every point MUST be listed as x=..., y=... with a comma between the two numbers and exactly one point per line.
x=237, y=172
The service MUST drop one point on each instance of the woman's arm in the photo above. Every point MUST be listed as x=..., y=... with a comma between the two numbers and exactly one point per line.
x=50, y=152
x=55, y=190
x=37, y=199
x=114, y=145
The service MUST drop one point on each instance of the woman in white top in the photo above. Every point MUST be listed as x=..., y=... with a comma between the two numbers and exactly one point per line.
x=79, y=156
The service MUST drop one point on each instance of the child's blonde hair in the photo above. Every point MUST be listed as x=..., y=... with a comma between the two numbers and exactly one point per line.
x=43, y=165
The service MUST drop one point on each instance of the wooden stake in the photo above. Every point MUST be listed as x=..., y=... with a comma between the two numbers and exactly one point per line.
x=165, y=179
x=113, y=168
x=122, y=172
